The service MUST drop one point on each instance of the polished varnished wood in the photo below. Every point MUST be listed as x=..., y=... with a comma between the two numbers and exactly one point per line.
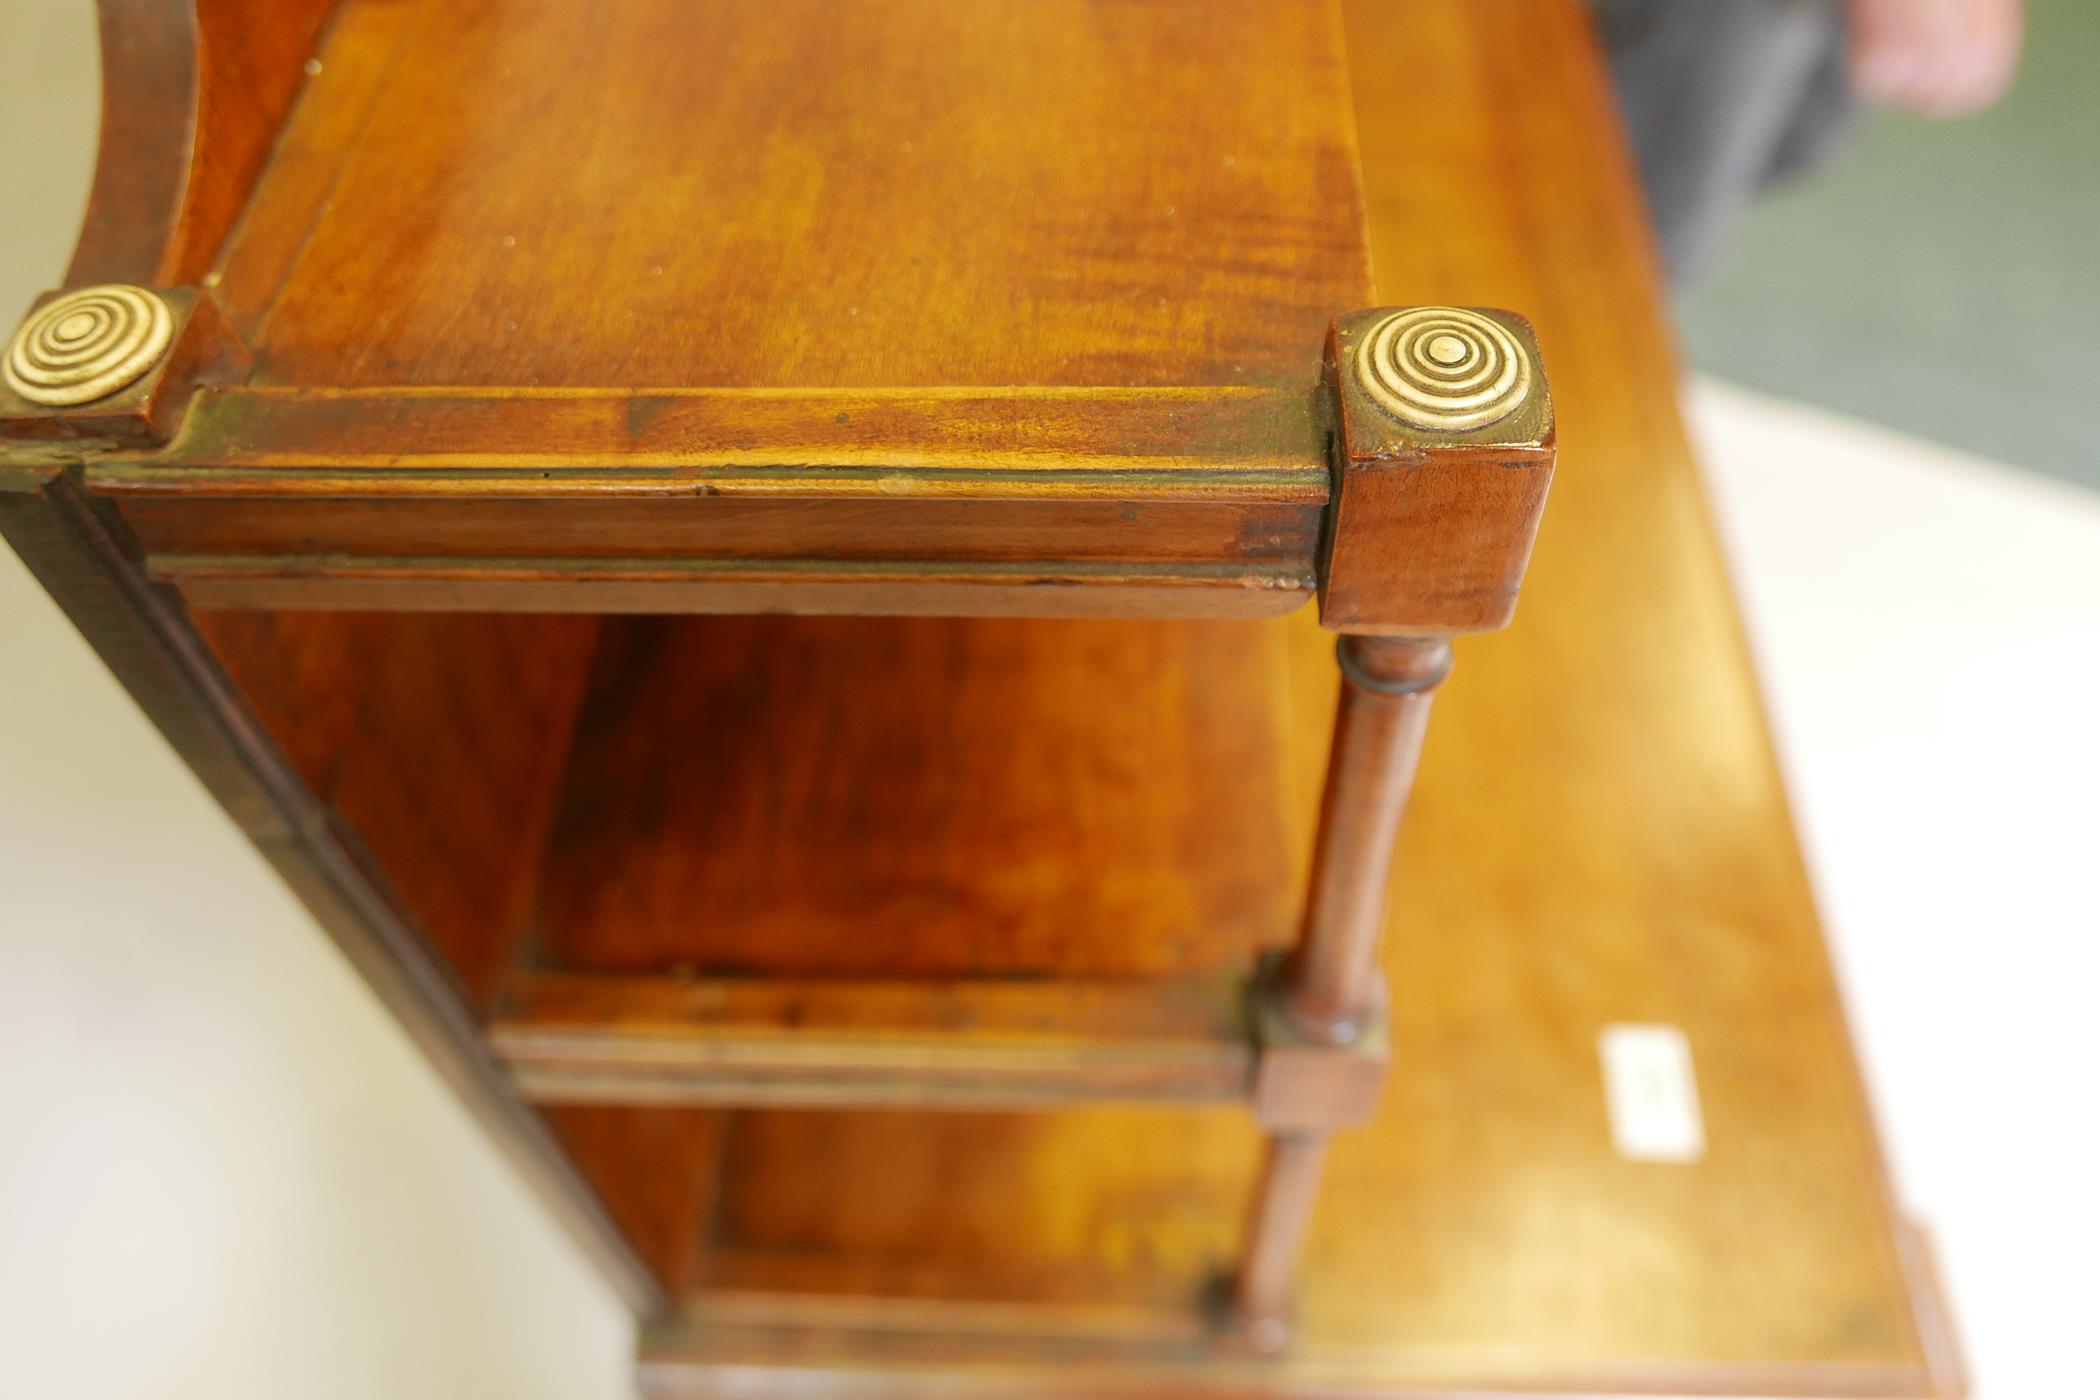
x=962, y=1208
x=1324, y=1049
x=456, y=498
x=494, y=231
x=1175, y=442
x=1431, y=530
x=192, y=94
x=930, y=798
x=658, y=1172
x=1329, y=989
x=1480, y=1233
x=827, y=588
x=979, y=1043
x=441, y=740
x=1264, y=1285
x=804, y=193
x=1149, y=237
x=1598, y=834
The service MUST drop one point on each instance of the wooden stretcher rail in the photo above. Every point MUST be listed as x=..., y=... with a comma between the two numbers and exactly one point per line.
x=1200, y=501
x=1174, y=443
x=910, y=588
x=960, y=1044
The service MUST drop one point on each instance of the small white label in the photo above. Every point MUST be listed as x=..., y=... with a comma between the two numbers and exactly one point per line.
x=1651, y=1093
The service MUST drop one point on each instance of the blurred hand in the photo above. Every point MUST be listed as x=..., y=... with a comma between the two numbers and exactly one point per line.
x=1937, y=58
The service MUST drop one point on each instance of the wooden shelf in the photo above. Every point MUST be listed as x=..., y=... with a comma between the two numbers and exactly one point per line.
x=1477, y=1237
x=499, y=351
x=1057, y=847
x=549, y=250
x=787, y=306
x=823, y=797
x=934, y=798
x=820, y=861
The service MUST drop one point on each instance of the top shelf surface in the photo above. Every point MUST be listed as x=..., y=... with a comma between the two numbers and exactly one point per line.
x=802, y=193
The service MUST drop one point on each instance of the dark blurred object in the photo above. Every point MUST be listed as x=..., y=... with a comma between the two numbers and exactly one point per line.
x=1724, y=98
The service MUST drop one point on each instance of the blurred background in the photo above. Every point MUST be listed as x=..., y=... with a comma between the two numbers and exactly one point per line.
x=1892, y=363
x=1935, y=276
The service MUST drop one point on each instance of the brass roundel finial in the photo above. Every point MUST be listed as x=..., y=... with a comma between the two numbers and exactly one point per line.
x=1443, y=367
x=87, y=344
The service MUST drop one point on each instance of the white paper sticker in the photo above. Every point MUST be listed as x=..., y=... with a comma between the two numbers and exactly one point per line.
x=1651, y=1093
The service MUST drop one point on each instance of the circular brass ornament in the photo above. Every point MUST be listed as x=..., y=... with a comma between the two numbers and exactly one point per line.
x=1444, y=368
x=87, y=344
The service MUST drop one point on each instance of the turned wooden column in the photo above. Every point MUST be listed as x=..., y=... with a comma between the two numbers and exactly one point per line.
x=1328, y=986
x=1276, y=1226
x=1330, y=994
x=1443, y=449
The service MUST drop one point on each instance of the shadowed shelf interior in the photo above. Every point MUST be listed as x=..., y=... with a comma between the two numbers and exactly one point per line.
x=772, y=572
x=1476, y=1231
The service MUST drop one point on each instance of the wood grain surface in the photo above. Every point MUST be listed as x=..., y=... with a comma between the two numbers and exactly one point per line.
x=192, y=94
x=797, y=192
x=1598, y=835
x=1203, y=500
x=793, y=194
x=983, y=1043
x=658, y=1172
x=439, y=739
x=936, y=797
x=742, y=209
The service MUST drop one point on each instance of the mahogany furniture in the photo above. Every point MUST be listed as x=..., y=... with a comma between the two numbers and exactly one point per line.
x=738, y=556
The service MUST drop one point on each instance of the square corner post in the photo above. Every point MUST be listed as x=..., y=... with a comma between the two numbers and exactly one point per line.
x=1442, y=450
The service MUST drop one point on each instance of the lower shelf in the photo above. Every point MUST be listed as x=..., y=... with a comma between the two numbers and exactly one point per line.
x=901, y=1254
x=1480, y=1235
x=926, y=798
x=932, y=798
x=894, y=1347
x=1554, y=877
x=1457, y=1251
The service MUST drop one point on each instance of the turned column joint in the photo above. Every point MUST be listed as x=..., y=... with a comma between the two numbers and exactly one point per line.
x=1394, y=665
x=1312, y=1083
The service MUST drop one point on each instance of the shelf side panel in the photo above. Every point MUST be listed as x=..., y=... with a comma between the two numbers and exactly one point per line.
x=440, y=739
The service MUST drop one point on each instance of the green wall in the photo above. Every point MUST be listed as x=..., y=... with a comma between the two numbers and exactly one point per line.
x=1939, y=277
